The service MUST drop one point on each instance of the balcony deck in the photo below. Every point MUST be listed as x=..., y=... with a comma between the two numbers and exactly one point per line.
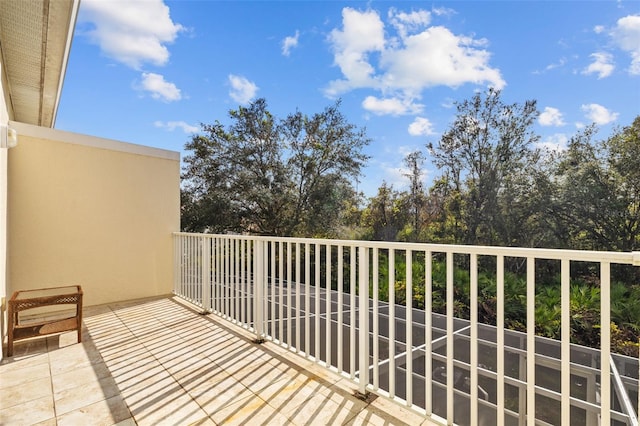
x=158, y=362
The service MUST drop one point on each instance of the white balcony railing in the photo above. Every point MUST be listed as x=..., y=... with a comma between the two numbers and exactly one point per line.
x=339, y=303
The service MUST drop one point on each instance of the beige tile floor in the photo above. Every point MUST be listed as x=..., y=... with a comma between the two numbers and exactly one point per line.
x=158, y=362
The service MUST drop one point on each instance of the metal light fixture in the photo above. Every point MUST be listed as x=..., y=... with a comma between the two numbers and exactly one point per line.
x=8, y=137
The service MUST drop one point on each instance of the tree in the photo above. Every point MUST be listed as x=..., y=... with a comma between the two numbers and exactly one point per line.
x=417, y=199
x=325, y=151
x=598, y=201
x=386, y=214
x=486, y=147
x=271, y=176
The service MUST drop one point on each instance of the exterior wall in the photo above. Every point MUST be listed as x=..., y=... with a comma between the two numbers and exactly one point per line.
x=4, y=119
x=93, y=212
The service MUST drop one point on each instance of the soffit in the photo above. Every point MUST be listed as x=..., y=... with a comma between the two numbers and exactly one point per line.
x=35, y=38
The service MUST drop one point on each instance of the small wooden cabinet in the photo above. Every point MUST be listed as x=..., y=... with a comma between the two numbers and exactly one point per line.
x=42, y=320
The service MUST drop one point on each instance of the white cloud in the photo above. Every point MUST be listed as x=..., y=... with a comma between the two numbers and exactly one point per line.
x=561, y=62
x=421, y=127
x=242, y=90
x=436, y=57
x=408, y=22
x=443, y=11
x=363, y=32
x=598, y=29
x=159, y=88
x=626, y=34
x=391, y=106
x=289, y=43
x=551, y=117
x=554, y=143
x=602, y=65
x=599, y=114
x=402, y=66
x=131, y=32
x=172, y=125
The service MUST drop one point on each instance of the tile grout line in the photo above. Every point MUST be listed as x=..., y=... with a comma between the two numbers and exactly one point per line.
x=53, y=396
x=159, y=361
x=131, y=416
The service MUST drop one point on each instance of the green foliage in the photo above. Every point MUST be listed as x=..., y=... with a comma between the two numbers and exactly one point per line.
x=597, y=202
x=386, y=214
x=584, y=301
x=264, y=175
x=485, y=153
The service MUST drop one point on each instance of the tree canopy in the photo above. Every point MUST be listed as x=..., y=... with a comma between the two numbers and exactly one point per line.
x=271, y=176
x=295, y=176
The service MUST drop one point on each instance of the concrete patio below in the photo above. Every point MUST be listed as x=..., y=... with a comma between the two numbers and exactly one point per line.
x=159, y=362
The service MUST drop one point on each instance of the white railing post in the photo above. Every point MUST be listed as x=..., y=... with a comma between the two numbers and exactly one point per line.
x=473, y=334
x=258, y=291
x=450, y=337
x=605, y=343
x=205, y=264
x=177, y=264
x=565, y=342
x=408, y=288
x=500, y=340
x=364, y=319
x=531, y=341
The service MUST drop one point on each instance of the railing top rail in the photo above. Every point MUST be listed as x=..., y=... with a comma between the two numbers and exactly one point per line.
x=632, y=258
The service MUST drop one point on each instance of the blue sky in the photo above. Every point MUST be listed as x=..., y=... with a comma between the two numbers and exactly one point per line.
x=149, y=72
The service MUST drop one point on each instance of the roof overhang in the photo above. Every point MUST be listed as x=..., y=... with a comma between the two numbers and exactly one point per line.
x=35, y=40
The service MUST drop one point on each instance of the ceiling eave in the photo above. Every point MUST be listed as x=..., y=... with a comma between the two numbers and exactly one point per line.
x=35, y=41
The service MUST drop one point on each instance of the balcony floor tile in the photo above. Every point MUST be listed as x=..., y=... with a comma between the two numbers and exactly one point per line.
x=159, y=362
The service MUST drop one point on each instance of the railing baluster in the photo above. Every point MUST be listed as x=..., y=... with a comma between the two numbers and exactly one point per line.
x=409, y=327
x=280, y=291
x=317, y=305
x=227, y=260
x=392, y=323
x=531, y=341
x=188, y=268
x=353, y=312
x=605, y=344
x=376, y=320
x=250, y=281
x=272, y=286
x=193, y=272
x=363, y=344
x=205, y=277
x=328, y=310
x=243, y=284
x=340, y=310
x=236, y=281
x=289, y=278
x=307, y=299
x=450, y=337
x=500, y=338
x=565, y=336
x=428, y=307
x=473, y=341
x=220, y=275
x=298, y=309
x=260, y=281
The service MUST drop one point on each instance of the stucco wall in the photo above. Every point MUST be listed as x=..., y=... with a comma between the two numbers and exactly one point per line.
x=93, y=212
x=4, y=118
